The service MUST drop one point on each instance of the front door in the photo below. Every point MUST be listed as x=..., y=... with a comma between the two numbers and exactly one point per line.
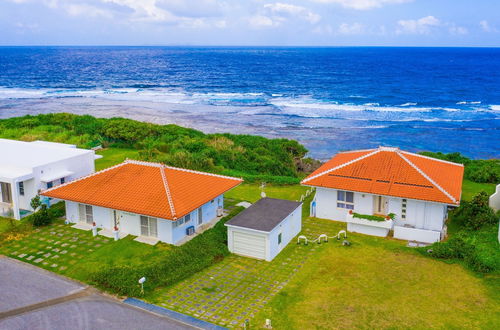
x=380, y=205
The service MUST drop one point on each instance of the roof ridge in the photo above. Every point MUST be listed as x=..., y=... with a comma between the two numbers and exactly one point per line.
x=342, y=165
x=140, y=162
x=83, y=177
x=428, y=178
x=432, y=158
x=351, y=151
x=167, y=190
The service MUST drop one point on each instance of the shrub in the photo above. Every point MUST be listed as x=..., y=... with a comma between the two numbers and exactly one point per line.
x=41, y=217
x=184, y=261
x=476, y=213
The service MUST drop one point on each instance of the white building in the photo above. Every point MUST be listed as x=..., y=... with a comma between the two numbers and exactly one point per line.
x=150, y=200
x=415, y=190
x=264, y=229
x=28, y=167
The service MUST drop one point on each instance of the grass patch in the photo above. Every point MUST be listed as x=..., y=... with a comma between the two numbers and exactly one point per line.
x=113, y=156
x=170, y=267
x=251, y=192
x=379, y=283
x=471, y=189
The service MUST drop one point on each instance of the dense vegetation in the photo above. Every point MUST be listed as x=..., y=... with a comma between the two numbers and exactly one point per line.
x=476, y=241
x=182, y=262
x=476, y=170
x=253, y=157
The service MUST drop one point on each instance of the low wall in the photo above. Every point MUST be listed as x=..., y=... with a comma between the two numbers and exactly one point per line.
x=367, y=230
x=368, y=227
x=419, y=235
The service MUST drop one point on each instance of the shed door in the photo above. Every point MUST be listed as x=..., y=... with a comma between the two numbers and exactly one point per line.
x=251, y=245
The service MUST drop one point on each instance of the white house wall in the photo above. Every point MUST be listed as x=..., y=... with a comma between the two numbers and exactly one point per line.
x=72, y=212
x=419, y=214
x=209, y=211
x=289, y=228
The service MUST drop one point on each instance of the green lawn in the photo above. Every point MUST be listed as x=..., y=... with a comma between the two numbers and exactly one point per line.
x=251, y=192
x=470, y=189
x=379, y=283
x=113, y=156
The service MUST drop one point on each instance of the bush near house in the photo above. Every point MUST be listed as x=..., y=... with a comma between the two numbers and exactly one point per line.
x=476, y=243
x=184, y=261
x=253, y=157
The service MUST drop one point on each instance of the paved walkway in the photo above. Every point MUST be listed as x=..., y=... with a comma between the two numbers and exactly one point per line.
x=32, y=298
x=237, y=288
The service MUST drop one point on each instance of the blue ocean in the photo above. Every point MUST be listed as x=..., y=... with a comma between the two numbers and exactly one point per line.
x=330, y=99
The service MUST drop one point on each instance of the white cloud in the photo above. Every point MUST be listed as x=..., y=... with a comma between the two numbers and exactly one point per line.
x=486, y=27
x=363, y=4
x=146, y=10
x=286, y=9
x=422, y=25
x=86, y=10
x=350, y=29
x=259, y=21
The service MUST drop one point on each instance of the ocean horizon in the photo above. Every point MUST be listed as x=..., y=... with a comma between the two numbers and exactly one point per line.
x=328, y=98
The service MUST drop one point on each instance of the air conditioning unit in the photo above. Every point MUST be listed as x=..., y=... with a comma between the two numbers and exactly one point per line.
x=190, y=230
x=220, y=212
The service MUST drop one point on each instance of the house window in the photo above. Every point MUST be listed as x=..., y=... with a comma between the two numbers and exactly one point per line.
x=403, y=209
x=183, y=220
x=279, y=238
x=86, y=213
x=21, y=188
x=63, y=180
x=212, y=201
x=345, y=199
x=50, y=185
x=149, y=226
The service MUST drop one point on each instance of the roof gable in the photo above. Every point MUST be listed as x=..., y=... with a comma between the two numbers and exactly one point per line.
x=146, y=188
x=391, y=172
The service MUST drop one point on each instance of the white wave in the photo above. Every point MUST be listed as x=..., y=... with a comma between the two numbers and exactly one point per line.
x=372, y=104
x=407, y=104
x=469, y=102
x=495, y=107
x=307, y=107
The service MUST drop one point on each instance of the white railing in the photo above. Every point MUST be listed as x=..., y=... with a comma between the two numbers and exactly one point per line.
x=368, y=227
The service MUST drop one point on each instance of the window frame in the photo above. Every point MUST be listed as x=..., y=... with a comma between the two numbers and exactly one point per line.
x=342, y=200
x=20, y=185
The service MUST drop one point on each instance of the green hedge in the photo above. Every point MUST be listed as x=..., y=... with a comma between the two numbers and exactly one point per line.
x=372, y=217
x=478, y=250
x=197, y=254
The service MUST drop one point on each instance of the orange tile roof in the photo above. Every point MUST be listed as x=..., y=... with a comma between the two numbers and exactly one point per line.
x=391, y=172
x=146, y=188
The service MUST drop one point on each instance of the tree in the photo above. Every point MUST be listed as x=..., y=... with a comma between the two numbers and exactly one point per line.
x=35, y=202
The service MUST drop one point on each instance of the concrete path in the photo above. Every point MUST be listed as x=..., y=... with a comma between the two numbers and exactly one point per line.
x=33, y=298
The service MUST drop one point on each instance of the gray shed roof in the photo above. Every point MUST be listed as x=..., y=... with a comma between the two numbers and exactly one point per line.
x=264, y=215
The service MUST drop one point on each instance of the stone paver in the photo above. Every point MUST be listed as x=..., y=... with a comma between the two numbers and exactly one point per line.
x=54, y=247
x=237, y=288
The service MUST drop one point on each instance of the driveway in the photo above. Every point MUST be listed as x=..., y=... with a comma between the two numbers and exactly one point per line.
x=32, y=298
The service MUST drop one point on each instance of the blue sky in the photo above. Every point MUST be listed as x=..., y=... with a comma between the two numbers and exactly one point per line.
x=251, y=22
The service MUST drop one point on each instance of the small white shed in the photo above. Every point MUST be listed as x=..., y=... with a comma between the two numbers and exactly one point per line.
x=265, y=228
